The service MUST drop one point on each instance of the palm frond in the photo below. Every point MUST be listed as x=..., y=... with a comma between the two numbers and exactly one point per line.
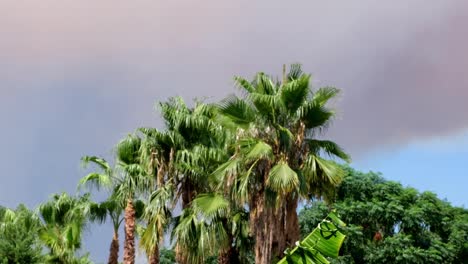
x=264, y=85
x=315, y=116
x=320, y=171
x=261, y=150
x=242, y=189
x=323, y=95
x=244, y=84
x=237, y=110
x=295, y=93
x=267, y=105
x=286, y=137
x=295, y=72
x=102, y=163
x=128, y=149
x=210, y=206
x=330, y=147
x=98, y=213
x=282, y=178
x=226, y=170
x=96, y=180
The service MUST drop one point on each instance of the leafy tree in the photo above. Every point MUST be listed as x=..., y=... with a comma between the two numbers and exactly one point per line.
x=275, y=158
x=107, y=178
x=134, y=181
x=180, y=160
x=388, y=223
x=64, y=218
x=19, y=240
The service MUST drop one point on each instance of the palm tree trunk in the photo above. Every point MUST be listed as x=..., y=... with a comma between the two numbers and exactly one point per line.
x=154, y=258
x=114, y=249
x=262, y=226
x=293, y=232
x=129, y=245
x=179, y=255
x=228, y=255
x=279, y=239
x=287, y=230
x=187, y=197
x=188, y=193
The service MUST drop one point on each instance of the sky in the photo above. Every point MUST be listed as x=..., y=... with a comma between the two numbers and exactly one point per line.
x=76, y=76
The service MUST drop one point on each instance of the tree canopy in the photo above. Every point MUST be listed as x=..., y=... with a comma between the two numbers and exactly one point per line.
x=389, y=223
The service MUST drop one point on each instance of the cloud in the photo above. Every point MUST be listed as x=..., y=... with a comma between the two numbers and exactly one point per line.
x=402, y=65
x=414, y=88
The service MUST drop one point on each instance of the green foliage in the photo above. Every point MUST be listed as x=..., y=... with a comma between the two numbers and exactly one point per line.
x=19, y=241
x=63, y=219
x=388, y=223
x=320, y=245
x=167, y=256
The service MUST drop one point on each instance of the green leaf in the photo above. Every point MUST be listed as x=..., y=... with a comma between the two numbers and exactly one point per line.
x=96, y=180
x=243, y=83
x=330, y=147
x=102, y=163
x=318, y=170
x=260, y=150
x=210, y=205
x=324, y=94
x=314, y=115
x=324, y=241
x=282, y=178
x=295, y=92
x=237, y=110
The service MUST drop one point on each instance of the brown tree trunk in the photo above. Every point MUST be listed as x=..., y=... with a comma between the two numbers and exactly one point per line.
x=154, y=258
x=129, y=244
x=228, y=254
x=114, y=249
x=293, y=232
x=188, y=194
x=279, y=236
x=287, y=230
x=262, y=227
x=179, y=255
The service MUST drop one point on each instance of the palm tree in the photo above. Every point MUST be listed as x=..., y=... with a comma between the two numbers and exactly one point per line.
x=199, y=229
x=157, y=157
x=196, y=142
x=64, y=218
x=158, y=216
x=213, y=226
x=276, y=157
x=179, y=160
x=108, y=179
x=134, y=181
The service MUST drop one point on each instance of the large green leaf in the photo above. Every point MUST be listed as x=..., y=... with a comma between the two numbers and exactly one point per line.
x=295, y=92
x=329, y=147
x=96, y=180
x=324, y=241
x=324, y=94
x=282, y=178
x=260, y=150
x=210, y=205
x=237, y=110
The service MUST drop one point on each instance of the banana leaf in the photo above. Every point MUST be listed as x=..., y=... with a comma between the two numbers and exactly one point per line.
x=324, y=242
